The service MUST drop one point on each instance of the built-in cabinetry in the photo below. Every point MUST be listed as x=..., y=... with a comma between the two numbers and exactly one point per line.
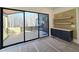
x=66, y=20
x=64, y=34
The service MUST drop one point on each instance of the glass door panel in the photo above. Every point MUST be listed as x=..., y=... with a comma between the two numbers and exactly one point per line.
x=43, y=25
x=13, y=27
x=31, y=26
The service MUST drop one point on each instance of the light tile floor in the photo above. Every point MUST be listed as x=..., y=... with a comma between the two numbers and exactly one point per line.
x=20, y=37
x=47, y=44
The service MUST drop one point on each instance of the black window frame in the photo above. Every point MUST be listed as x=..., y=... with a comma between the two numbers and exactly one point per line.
x=1, y=26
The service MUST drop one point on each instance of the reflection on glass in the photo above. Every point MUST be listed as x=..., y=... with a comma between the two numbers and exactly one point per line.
x=12, y=27
x=43, y=25
x=31, y=26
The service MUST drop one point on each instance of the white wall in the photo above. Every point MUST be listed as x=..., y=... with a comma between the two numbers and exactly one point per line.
x=77, y=24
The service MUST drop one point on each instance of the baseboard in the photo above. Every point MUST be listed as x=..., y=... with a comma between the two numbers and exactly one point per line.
x=75, y=41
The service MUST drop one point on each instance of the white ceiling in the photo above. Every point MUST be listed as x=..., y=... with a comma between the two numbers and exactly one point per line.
x=36, y=9
x=24, y=8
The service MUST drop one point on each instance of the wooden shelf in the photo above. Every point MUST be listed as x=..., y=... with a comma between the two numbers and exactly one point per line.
x=65, y=18
x=63, y=23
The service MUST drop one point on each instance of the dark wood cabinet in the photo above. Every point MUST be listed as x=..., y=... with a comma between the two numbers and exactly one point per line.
x=66, y=35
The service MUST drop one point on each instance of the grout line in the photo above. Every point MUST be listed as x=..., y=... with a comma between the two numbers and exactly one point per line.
x=52, y=46
x=65, y=43
x=35, y=47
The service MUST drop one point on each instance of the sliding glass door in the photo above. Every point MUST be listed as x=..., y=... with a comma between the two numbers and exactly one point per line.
x=43, y=25
x=21, y=26
x=13, y=27
x=31, y=26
